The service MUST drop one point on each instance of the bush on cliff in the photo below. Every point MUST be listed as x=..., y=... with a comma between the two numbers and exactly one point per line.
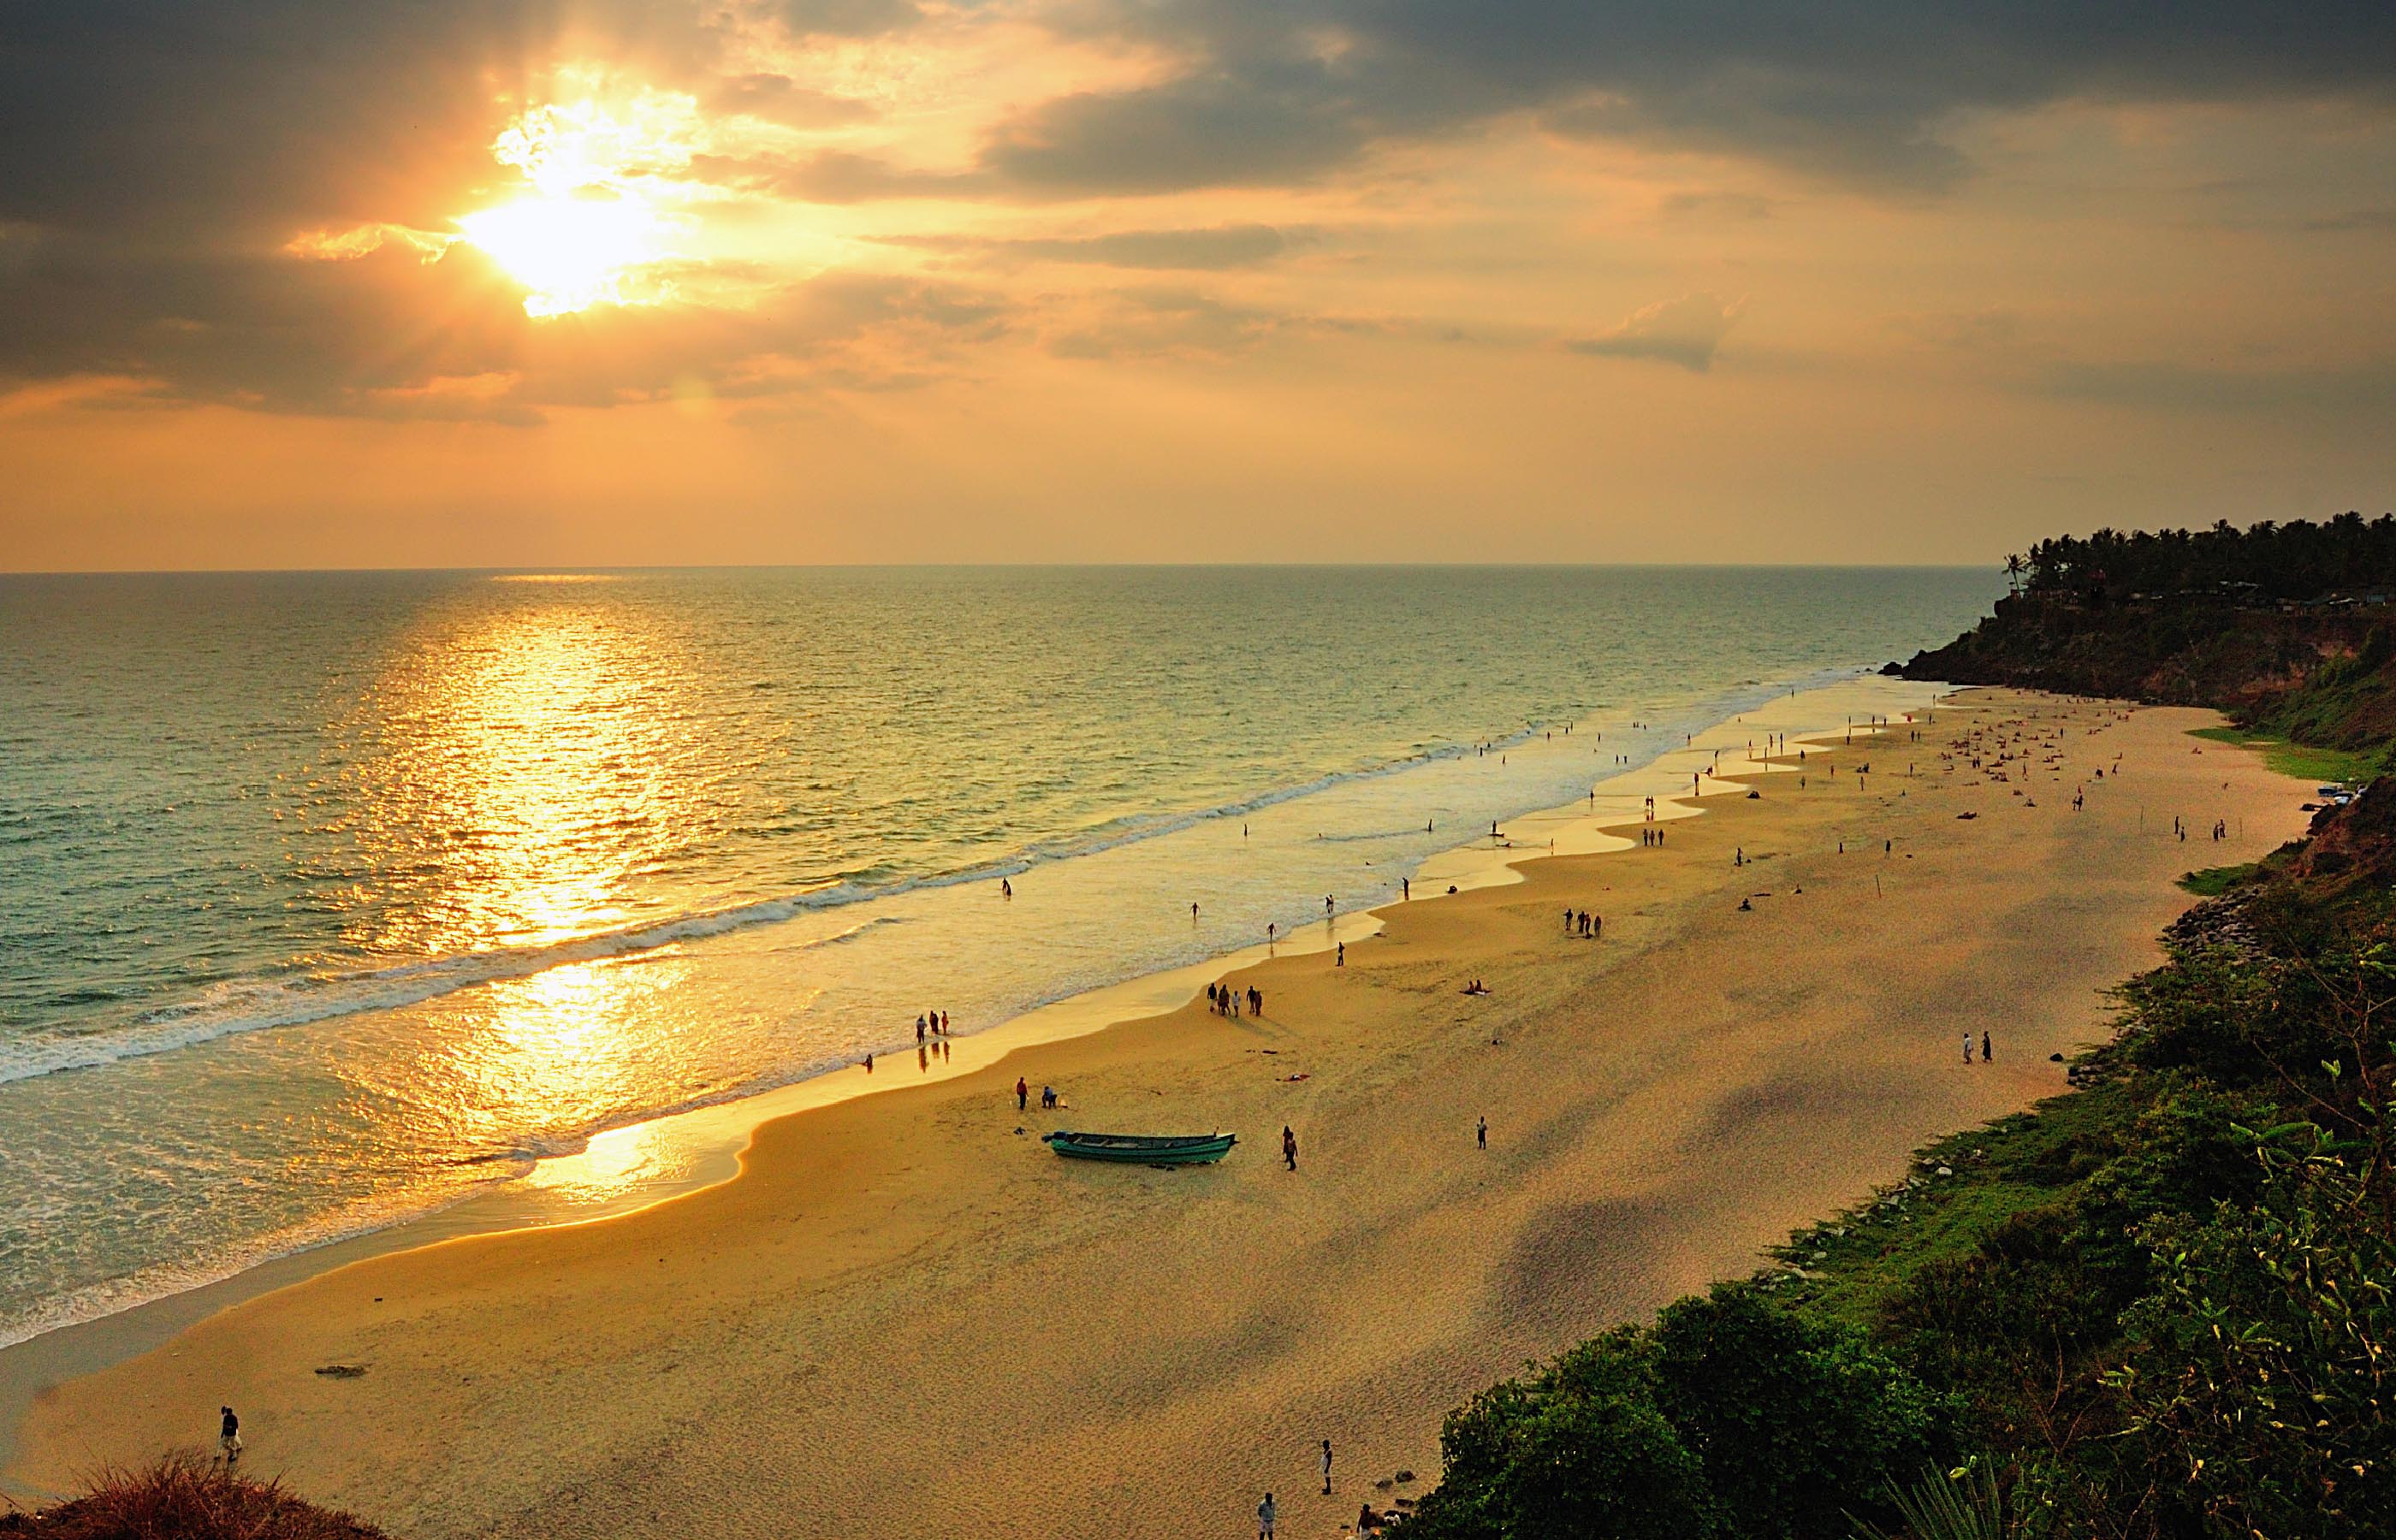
x=1729, y=1417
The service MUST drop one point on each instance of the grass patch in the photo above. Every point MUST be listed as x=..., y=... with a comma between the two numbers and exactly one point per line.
x=2213, y=882
x=2305, y=763
x=2013, y=1166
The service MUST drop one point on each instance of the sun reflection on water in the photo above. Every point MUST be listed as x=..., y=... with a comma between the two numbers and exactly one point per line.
x=535, y=766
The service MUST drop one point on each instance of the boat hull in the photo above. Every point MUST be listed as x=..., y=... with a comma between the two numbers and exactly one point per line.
x=1142, y=1149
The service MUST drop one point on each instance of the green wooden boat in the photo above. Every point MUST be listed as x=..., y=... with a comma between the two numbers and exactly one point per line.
x=1142, y=1149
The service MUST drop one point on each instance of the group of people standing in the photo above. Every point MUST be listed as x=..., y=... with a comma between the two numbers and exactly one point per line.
x=1225, y=1001
x=1591, y=925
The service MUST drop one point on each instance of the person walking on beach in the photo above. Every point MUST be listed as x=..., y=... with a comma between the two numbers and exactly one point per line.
x=1405, y=888
x=1326, y=1467
x=1343, y=955
x=229, y=1436
x=1022, y=1094
x=1481, y=1133
x=1985, y=1055
x=1289, y=1147
x=1265, y=1518
x=1005, y=888
x=1967, y=1047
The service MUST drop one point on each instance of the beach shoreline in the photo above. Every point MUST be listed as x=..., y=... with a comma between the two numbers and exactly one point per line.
x=1528, y=864
x=624, y=1169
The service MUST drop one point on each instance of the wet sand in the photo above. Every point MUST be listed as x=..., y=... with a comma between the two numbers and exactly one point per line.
x=905, y=1316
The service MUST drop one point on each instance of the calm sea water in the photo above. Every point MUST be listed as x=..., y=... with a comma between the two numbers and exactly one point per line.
x=326, y=900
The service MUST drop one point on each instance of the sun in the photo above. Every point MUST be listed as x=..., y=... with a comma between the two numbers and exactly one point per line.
x=569, y=252
x=587, y=229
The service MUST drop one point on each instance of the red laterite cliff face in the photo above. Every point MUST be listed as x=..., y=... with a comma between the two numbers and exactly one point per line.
x=2251, y=661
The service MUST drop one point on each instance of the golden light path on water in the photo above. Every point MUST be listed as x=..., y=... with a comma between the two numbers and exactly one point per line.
x=542, y=767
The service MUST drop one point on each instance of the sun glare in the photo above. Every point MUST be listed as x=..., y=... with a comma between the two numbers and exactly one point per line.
x=569, y=252
x=588, y=225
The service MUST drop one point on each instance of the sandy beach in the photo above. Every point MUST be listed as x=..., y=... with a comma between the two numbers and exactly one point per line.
x=905, y=1316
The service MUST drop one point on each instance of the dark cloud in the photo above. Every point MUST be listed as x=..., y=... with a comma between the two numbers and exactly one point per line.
x=778, y=99
x=1861, y=90
x=1685, y=331
x=2370, y=222
x=1736, y=206
x=2367, y=392
x=1213, y=249
x=1275, y=126
x=845, y=17
x=1166, y=322
x=836, y=177
x=390, y=334
x=158, y=156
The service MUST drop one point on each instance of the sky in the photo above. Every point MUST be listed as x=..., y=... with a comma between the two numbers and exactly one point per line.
x=530, y=283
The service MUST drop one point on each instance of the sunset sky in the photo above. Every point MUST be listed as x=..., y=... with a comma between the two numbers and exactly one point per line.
x=512, y=283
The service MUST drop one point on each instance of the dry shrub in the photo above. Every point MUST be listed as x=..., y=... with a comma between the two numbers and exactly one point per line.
x=185, y=1496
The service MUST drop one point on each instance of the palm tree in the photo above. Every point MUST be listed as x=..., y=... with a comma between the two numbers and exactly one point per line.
x=2014, y=567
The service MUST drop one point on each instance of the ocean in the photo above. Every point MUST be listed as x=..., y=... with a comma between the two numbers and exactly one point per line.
x=327, y=900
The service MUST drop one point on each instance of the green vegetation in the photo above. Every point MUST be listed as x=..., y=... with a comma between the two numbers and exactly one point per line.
x=2213, y=882
x=2306, y=761
x=185, y=1497
x=2162, y=1306
x=2298, y=560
